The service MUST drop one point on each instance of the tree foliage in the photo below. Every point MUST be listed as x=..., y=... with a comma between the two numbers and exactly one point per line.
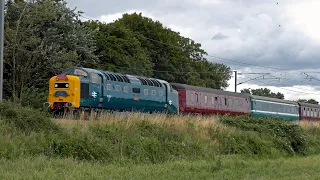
x=42, y=38
x=263, y=92
x=311, y=101
x=138, y=45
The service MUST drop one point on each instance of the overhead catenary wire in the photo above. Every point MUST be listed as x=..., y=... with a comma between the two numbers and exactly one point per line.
x=228, y=60
x=302, y=92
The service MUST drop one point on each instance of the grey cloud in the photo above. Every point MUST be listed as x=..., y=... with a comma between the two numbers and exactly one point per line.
x=219, y=36
x=254, y=35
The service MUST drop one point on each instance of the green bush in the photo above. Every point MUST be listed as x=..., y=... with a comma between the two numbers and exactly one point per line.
x=286, y=136
x=25, y=119
x=142, y=142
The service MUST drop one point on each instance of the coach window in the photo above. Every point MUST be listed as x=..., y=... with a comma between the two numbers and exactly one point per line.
x=236, y=103
x=257, y=106
x=118, y=88
x=212, y=100
x=206, y=99
x=125, y=89
x=109, y=87
x=146, y=92
x=197, y=98
x=160, y=93
x=230, y=103
x=192, y=97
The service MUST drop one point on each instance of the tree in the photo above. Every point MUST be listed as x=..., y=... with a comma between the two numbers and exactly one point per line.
x=139, y=45
x=311, y=101
x=263, y=92
x=118, y=49
x=42, y=38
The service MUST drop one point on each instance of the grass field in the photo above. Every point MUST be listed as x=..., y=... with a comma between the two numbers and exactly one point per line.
x=234, y=167
x=156, y=146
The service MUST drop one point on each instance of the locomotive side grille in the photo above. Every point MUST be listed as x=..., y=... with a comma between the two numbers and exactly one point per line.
x=84, y=92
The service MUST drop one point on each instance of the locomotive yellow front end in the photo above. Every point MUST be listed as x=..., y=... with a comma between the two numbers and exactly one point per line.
x=64, y=93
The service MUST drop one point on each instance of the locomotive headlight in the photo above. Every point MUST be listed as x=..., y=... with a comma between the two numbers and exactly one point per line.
x=61, y=85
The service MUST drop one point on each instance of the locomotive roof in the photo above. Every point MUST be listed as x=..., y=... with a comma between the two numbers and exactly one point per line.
x=130, y=78
x=309, y=104
x=273, y=99
x=208, y=90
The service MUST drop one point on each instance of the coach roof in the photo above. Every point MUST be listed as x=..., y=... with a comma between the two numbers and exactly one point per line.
x=208, y=90
x=309, y=105
x=273, y=99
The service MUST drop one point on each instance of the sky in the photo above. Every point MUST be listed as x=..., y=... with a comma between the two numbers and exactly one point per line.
x=278, y=38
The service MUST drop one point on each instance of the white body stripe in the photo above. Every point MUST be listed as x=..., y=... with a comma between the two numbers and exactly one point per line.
x=276, y=103
x=276, y=113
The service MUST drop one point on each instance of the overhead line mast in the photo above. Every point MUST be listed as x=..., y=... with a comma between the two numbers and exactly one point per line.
x=1, y=47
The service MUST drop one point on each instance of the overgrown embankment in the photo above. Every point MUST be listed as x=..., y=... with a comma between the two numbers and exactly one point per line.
x=141, y=138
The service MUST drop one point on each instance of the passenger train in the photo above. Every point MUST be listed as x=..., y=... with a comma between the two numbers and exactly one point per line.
x=84, y=90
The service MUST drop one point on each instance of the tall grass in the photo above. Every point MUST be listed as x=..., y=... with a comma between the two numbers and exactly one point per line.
x=148, y=138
